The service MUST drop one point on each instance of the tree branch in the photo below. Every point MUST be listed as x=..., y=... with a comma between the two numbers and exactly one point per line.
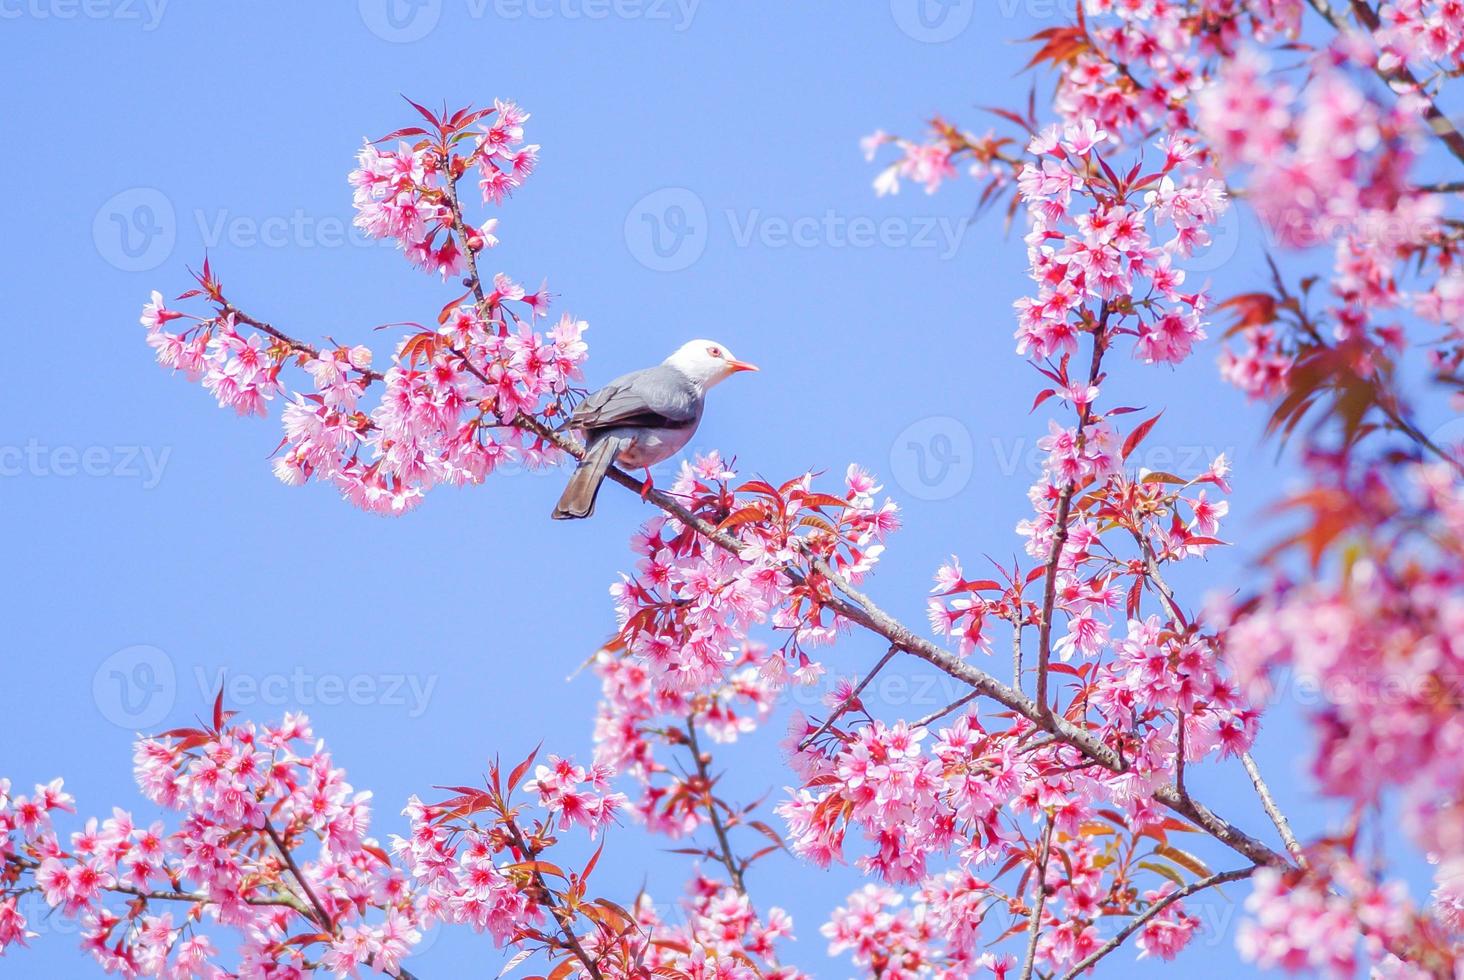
x=857, y=608
x=563, y=918
x=734, y=870
x=1268, y=803
x=1137, y=922
x=1441, y=125
x=322, y=917
x=1039, y=883
x=1064, y=512
x=854, y=696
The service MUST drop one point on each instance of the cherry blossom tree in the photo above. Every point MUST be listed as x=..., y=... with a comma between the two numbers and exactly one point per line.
x=1035, y=826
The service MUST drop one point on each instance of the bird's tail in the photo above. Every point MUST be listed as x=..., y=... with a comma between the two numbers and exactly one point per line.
x=578, y=499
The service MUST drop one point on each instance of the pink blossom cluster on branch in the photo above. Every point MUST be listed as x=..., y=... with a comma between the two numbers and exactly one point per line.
x=452, y=397
x=1340, y=154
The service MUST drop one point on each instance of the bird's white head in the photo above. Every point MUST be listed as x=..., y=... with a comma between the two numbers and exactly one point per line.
x=706, y=362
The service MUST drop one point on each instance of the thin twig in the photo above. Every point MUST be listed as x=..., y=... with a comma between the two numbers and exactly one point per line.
x=1137, y=922
x=323, y=918
x=1016, y=653
x=847, y=702
x=929, y=719
x=563, y=918
x=1064, y=511
x=1039, y=883
x=1179, y=755
x=734, y=870
x=1268, y=802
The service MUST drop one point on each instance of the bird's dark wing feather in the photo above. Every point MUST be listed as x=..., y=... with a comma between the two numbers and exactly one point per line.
x=657, y=397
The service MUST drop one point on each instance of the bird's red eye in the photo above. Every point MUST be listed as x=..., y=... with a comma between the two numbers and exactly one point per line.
x=714, y=351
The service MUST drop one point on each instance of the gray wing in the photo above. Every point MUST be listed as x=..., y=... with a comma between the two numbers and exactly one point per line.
x=658, y=397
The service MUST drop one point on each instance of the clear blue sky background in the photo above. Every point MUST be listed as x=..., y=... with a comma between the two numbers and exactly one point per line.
x=165, y=545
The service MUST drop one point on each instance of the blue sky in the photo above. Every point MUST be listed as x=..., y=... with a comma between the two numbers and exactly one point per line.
x=700, y=177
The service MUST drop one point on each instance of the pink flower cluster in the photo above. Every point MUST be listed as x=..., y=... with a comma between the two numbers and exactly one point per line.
x=409, y=194
x=720, y=937
x=1421, y=30
x=464, y=880
x=1383, y=648
x=1336, y=168
x=1328, y=922
x=458, y=400
x=1109, y=254
x=576, y=796
x=447, y=414
x=249, y=798
x=689, y=608
x=884, y=936
x=635, y=714
x=235, y=368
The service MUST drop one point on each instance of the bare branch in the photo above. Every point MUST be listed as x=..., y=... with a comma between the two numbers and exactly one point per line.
x=936, y=716
x=734, y=870
x=1039, y=884
x=1283, y=826
x=854, y=696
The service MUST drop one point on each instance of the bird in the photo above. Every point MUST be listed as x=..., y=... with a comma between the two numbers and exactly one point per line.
x=642, y=418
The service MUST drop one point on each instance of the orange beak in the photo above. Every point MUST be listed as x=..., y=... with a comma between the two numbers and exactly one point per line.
x=737, y=365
